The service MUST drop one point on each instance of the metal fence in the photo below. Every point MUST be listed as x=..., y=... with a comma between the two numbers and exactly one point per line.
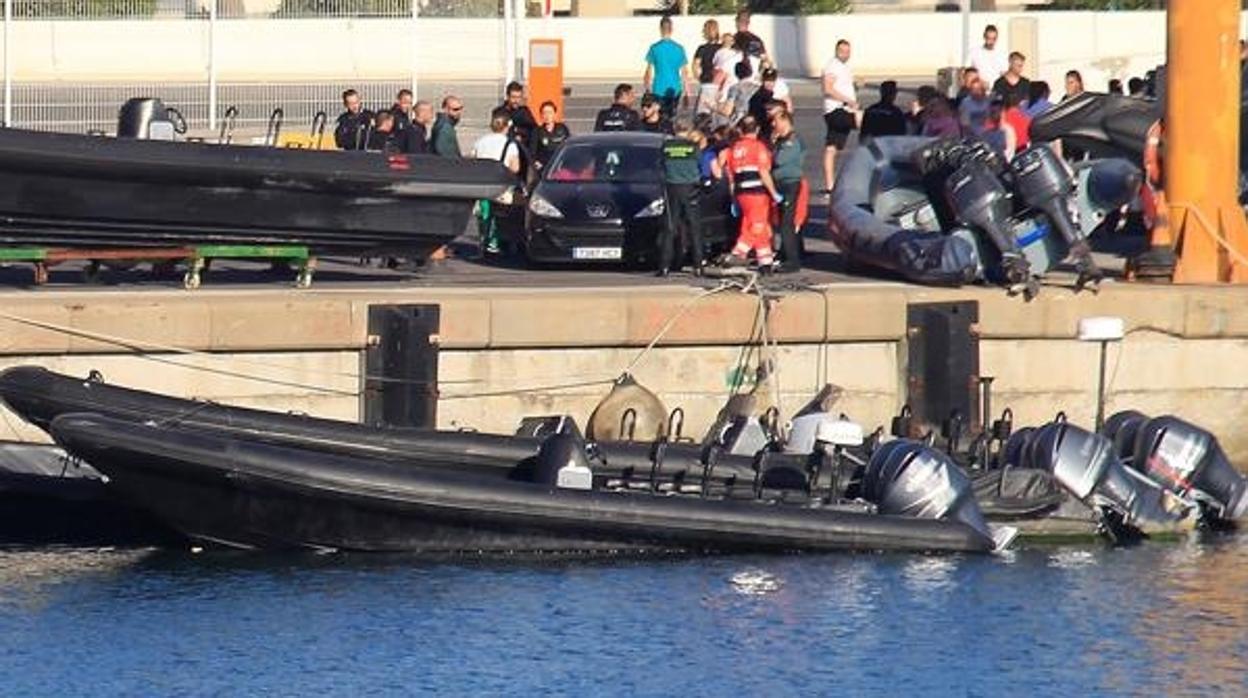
x=52, y=102
x=69, y=10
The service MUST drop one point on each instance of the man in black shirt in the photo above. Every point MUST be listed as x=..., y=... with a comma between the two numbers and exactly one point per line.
x=1013, y=82
x=420, y=130
x=620, y=115
x=748, y=43
x=704, y=67
x=385, y=136
x=762, y=97
x=402, y=110
x=652, y=119
x=351, y=131
x=522, y=121
x=884, y=118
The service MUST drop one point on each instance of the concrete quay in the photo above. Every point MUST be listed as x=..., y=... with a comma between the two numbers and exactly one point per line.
x=507, y=351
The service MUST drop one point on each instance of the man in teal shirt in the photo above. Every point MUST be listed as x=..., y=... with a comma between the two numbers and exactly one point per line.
x=667, y=69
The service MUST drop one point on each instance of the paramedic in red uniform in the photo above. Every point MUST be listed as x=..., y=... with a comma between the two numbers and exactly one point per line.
x=747, y=163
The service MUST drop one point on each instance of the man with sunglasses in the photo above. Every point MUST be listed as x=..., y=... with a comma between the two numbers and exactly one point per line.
x=444, y=142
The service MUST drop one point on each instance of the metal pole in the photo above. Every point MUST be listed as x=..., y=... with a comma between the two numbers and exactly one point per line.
x=1100, y=389
x=212, y=65
x=966, y=33
x=509, y=42
x=415, y=49
x=8, y=64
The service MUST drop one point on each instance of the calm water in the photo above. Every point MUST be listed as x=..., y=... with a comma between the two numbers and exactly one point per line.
x=1160, y=618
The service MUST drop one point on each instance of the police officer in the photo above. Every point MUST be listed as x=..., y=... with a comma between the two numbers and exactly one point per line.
x=682, y=183
x=787, y=173
x=620, y=115
x=354, y=124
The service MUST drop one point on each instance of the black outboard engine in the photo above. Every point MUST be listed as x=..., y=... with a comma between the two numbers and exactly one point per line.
x=1084, y=464
x=1188, y=461
x=1122, y=428
x=145, y=118
x=909, y=478
x=979, y=200
x=1044, y=184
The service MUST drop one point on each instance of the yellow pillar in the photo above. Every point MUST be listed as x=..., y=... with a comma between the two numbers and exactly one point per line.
x=1202, y=141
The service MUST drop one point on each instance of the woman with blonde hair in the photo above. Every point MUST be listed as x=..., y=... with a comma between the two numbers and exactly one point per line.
x=704, y=67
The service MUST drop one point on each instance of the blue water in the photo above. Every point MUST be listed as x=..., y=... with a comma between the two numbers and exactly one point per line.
x=1053, y=621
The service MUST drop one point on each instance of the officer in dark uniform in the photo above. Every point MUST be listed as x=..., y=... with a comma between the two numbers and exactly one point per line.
x=353, y=127
x=620, y=115
x=682, y=184
x=522, y=121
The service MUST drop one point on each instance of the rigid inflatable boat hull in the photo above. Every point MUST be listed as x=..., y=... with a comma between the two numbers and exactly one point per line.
x=221, y=489
x=46, y=498
x=71, y=191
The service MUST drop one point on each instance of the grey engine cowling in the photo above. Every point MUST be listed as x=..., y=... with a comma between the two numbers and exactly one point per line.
x=909, y=478
x=1085, y=464
x=1189, y=462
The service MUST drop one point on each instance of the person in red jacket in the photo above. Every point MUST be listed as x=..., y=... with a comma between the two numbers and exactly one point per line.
x=747, y=165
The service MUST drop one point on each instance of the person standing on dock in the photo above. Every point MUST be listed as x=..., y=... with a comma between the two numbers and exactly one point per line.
x=989, y=60
x=682, y=186
x=351, y=131
x=445, y=141
x=667, y=69
x=747, y=164
x=1013, y=84
x=620, y=116
x=421, y=128
x=790, y=155
x=840, y=109
x=522, y=121
x=704, y=68
x=549, y=136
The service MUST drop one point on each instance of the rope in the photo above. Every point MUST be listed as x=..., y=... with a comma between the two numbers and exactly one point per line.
x=680, y=311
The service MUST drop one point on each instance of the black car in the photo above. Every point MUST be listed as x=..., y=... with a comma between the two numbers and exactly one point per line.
x=601, y=200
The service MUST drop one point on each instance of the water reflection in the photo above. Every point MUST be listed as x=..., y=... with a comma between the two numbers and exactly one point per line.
x=27, y=576
x=1197, y=627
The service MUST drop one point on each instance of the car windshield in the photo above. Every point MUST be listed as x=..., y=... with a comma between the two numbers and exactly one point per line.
x=599, y=162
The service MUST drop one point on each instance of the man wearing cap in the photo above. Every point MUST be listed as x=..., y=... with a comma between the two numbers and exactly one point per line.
x=682, y=179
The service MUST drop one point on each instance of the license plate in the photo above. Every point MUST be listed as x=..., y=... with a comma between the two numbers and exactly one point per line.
x=597, y=252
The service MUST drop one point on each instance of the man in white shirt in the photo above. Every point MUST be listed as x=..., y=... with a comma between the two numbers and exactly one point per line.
x=496, y=145
x=990, y=61
x=501, y=148
x=840, y=109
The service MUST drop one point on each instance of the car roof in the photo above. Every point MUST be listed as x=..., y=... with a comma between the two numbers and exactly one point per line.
x=625, y=138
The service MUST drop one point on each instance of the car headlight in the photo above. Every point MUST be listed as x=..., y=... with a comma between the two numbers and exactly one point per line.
x=653, y=209
x=543, y=208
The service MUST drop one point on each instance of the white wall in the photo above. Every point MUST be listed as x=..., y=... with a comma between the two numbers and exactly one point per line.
x=1102, y=45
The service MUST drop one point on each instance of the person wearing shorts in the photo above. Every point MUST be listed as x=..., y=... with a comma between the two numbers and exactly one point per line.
x=840, y=109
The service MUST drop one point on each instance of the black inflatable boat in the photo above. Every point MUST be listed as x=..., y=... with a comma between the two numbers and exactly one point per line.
x=71, y=191
x=47, y=497
x=240, y=493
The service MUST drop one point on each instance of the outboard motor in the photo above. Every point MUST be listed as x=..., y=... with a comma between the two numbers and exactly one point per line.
x=1188, y=461
x=979, y=200
x=1044, y=184
x=1084, y=464
x=1014, y=452
x=909, y=478
x=145, y=118
x=1122, y=428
